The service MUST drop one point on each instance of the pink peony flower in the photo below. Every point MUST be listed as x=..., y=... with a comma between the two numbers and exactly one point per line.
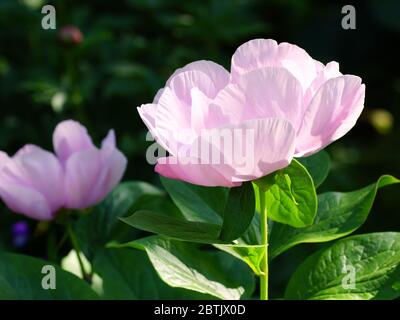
x=36, y=183
x=292, y=105
x=32, y=182
x=90, y=173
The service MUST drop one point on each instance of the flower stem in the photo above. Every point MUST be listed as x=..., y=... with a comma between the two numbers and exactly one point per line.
x=264, y=241
x=75, y=245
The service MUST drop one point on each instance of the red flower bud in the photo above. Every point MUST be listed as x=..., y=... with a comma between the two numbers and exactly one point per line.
x=70, y=35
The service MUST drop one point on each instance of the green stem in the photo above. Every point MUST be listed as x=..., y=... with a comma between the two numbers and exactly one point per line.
x=75, y=245
x=264, y=241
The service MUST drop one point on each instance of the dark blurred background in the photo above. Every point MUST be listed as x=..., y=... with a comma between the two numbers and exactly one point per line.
x=122, y=52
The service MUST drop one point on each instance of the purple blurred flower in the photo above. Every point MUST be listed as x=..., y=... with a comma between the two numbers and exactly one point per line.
x=90, y=173
x=20, y=232
x=32, y=182
x=36, y=183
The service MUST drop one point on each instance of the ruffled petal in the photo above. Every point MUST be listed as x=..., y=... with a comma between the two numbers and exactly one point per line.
x=113, y=164
x=230, y=155
x=36, y=173
x=218, y=74
x=70, y=137
x=260, y=53
x=26, y=201
x=3, y=159
x=263, y=93
x=82, y=170
x=253, y=148
x=173, y=122
x=332, y=112
x=330, y=71
x=193, y=171
x=91, y=174
x=109, y=141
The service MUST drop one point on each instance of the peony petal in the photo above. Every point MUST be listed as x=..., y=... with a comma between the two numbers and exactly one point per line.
x=254, y=54
x=158, y=95
x=82, y=170
x=70, y=137
x=260, y=53
x=273, y=93
x=110, y=140
x=113, y=166
x=3, y=159
x=218, y=74
x=253, y=148
x=263, y=93
x=332, y=112
x=148, y=114
x=330, y=71
x=36, y=173
x=230, y=155
x=26, y=201
x=173, y=122
x=184, y=82
x=193, y=171
x=91, y=174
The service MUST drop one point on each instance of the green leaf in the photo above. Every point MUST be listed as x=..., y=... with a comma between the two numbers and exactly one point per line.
x=183, y=265
x=239, y=212
x=289, y=195
x=339, y=214
x=128, y=275
x=96, y=228
x=197, y=203
x=371, y=260
x=252, y=236
x=21, y=279
x=318, y=165
x=174, y=227
x=252, y=255
x=248, y=247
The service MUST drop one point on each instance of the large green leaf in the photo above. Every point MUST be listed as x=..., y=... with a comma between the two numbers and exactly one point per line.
x=290, y=195
x=184, y=265
x=339, y=214
x=371, y=260
x=21, y=279
x=101, y=225
x=197, y=203
x=318, y=165
x=174, y=227
x=128, y=274
x=252, y=255
x=248, y=247
x=239, y=212
x=237, y=216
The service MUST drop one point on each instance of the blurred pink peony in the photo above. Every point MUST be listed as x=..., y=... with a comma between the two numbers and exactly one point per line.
x=36, y=183
x=292, y=105
x=32, y=182
x=90, y=173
